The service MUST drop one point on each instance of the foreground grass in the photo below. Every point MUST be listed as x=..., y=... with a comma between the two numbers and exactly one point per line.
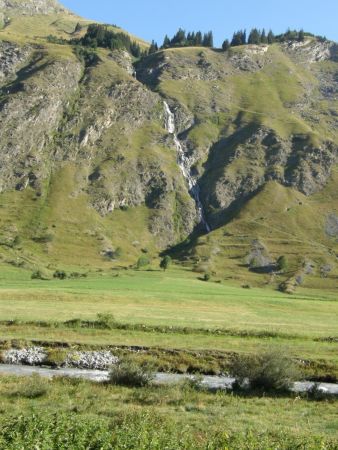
x=181, y=411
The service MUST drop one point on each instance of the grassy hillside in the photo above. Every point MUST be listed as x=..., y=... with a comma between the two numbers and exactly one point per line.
x=95, y=174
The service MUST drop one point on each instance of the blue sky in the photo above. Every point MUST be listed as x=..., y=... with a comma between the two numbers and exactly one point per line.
x=152, y=19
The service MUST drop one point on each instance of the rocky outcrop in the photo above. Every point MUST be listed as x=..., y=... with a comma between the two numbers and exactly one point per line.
x=31, y=7
x=237, y=169
x=32, y=356
x=95, y=360
x=11, y=58
x=311, y=50
x=331, y=225
x=30, y=112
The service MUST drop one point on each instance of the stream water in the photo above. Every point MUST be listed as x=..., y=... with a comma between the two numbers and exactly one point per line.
x=211, y=382
x=185, y=164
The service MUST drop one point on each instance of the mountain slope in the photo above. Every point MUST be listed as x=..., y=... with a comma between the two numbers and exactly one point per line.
x=91, y=172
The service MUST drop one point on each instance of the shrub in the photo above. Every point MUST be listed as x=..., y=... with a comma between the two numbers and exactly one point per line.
x=272, y=370
x=106, y=320
x=60, y=274
x=56, y=357
x=206, y=277
x=128, y=373
x=282, y=263
x=38, y=275
x=33, y=387
x=43, y=238
x=143, y=261
x=165, y=263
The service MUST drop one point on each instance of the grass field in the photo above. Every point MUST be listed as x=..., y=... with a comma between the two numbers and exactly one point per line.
x=176, y=297
x=250, y=319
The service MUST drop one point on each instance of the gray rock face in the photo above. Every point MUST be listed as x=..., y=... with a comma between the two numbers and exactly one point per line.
x=331, y=225
x=29, y=115
x=262, y=157
x=311, y=51
x=11, y=58
x=31, y=7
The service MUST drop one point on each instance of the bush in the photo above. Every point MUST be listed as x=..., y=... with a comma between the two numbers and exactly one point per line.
x=272, y=370
x=33, y=387
x=165, y=263
x=106, y=320
x=43, y=238
x=38, y=275
x=56, y=357
x=206, y=277
x=130, y=374
x=282, y=263
x=60, y=274
x=143, y=261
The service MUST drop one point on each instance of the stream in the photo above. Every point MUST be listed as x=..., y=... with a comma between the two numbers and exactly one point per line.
x=185, y=164
x=211, y=382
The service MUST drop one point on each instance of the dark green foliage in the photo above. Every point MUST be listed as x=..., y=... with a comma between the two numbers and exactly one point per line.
x=271, y=37
x=87, y=56
x=226, y=45
x=190, y=39
x=179, y=39
x=78, y=28
x=166, y=42
x=128, y=373
x=254, y=37
x=282, y=263
x=198, y=39
x=259, y=37
x=60, y=274
x=153, y=47
x=239, y=38
x=102, y=36
x=208, y=39
x=206, y=277
x=165, y=263
x=55, y=40
x=272, y=370
x=301, y=36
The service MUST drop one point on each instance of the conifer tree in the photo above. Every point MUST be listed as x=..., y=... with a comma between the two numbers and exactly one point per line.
x=153, y=47
x=226, y=45
x=179, y=38
x=271, y=37
x=198, y=39
x=264, y=39
x=301, y=36
x=254, y=37
x=166, y=42
x=208, y=40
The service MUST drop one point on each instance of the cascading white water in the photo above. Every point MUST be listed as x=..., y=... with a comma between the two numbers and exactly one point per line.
x=185, y=165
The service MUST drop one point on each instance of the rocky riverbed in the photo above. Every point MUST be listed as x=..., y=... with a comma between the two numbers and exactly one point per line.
x=37, y=356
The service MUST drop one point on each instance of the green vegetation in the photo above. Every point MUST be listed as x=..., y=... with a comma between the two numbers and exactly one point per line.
x=129, y=373
x=272, y=370
x=157, y=417
x=165, y=262
x=170, y=310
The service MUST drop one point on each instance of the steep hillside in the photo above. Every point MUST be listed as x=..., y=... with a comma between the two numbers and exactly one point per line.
x=105, y=158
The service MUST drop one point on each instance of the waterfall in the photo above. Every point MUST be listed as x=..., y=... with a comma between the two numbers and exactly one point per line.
x=185, y=165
